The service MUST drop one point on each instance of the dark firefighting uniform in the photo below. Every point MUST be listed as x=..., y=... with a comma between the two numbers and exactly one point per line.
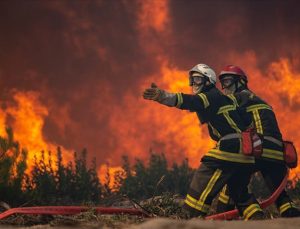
x=223, y=164
x=271, y=163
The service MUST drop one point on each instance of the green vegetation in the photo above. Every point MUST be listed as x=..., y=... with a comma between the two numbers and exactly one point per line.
x=53, y=183
x=49, y=182
x=77, y=183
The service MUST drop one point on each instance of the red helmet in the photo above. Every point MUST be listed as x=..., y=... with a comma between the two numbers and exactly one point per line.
x=233, y=70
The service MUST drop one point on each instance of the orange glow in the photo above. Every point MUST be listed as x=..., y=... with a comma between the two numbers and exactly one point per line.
x=103, y=172
x=286, y=84
x=135, y=126
x=154, y=27
x=178, y=134
x=28, y=115
x=154, y=14
x=2, y=123
x=150, y=126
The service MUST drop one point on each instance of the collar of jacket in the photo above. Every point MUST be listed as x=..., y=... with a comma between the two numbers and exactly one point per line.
x=241, y=88
x=208, y=88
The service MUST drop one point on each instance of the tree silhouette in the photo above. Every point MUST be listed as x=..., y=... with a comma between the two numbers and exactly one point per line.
x=12, y=169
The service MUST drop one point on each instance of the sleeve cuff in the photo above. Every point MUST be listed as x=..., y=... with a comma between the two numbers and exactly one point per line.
x=179, y=100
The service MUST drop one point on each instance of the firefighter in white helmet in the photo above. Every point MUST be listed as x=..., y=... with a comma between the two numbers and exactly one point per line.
x=224, y=164
x=260, y=114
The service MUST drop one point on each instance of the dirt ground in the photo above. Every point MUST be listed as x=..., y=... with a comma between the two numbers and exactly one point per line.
x=193, y=224
x=163, y=223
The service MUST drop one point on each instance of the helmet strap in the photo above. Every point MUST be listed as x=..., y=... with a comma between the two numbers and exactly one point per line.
x=241, y=86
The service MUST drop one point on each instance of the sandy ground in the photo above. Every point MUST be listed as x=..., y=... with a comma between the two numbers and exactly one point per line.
x=161, y=223
x=193, y=224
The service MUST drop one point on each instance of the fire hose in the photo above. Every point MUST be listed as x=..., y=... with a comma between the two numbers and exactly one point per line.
x=234, y=213
x=72, y=210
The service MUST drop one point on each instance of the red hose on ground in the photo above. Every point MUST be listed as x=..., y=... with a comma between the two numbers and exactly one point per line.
x=234, y=213
x=70, y=210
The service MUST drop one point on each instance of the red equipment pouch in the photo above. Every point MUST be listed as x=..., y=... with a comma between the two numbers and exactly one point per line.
x=247, y=145
x=290, y=154
x=251, y=143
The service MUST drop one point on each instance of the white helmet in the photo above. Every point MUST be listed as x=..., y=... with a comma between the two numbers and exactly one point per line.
x=205, y=70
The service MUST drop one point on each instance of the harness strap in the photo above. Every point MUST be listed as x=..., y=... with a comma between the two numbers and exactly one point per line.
x=231, y=136
x=274, y=140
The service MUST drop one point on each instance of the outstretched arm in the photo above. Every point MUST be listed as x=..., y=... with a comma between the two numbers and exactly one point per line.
x=156, y=94
x=182, y=101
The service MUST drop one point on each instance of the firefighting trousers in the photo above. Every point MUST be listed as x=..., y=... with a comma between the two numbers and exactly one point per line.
x=208, y=181
x=273, y=173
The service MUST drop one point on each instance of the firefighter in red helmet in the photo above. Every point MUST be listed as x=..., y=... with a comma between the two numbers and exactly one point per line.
x=223, y=164
x=260, y=115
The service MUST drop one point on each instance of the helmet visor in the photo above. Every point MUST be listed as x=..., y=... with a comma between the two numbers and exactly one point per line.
x=198, y=79
x=227, y=81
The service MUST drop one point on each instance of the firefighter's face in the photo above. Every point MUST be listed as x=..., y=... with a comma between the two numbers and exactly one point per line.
x=228, y=84
x=198, y=82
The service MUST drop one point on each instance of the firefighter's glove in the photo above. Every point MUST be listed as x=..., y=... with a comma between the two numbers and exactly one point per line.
x=153, y=93
x=159, y=95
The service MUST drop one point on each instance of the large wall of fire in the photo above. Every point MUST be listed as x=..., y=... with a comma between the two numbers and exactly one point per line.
x=72, y=72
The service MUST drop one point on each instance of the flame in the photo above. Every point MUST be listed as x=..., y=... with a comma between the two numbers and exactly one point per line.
x=177, y=132
x=27, y=116
x=168, y=130
x=105, y=170
x=149, y=125
x=286, y=85
x=140, y=126
x=159, y=128
x=2, y=122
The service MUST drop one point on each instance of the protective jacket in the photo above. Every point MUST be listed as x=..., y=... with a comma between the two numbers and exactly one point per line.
x=258, y=113
x=224, y=124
